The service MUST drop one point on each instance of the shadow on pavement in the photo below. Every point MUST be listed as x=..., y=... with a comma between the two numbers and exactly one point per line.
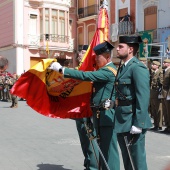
x=50, y=167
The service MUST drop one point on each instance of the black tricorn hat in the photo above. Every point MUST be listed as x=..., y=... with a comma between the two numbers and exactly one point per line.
x=133, y=39
x=85, y=47
x=103, y=47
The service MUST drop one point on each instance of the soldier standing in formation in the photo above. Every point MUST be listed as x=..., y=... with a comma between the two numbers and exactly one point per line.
x=156, y=86
x=143, y=60
x=14, y=97
x=103, y=80
x=166, y=95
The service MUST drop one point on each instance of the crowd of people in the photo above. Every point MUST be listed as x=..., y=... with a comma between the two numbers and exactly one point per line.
x=159, y=94
x=7, y=80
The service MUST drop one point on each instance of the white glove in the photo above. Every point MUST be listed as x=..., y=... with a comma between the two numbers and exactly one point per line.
x=55, y=66
x=107, y=104
x=135, y=130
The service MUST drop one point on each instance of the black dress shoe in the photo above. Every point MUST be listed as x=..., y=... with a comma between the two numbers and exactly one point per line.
x=166, y=130
x=159, y=128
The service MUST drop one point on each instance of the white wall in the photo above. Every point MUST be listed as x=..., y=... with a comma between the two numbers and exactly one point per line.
x=19, y=29
x=164, y=13
x=163, y=17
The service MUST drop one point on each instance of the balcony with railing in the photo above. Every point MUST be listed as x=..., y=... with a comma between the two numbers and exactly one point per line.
x=125, y=28
x=88, y=11
x=54, y=40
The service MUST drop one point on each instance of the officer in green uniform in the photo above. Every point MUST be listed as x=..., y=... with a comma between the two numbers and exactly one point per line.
x=89, y=157
x=132, y=100
x=156, y=86
x=103, y=80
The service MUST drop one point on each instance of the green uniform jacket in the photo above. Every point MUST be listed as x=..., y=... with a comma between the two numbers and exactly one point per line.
x=103, y=84
x=133, y=82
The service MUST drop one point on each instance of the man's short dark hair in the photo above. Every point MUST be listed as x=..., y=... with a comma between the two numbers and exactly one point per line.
x=135, y=47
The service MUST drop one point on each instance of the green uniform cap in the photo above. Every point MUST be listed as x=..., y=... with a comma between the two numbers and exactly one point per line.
x=103, y=47
x=133, y=39
x=85, y=47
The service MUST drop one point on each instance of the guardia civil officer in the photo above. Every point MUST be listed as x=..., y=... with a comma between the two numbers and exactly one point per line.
x=88, y=152
x=132, y=100
x=103, y=80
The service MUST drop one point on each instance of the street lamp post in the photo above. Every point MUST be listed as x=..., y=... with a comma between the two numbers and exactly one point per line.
x=47, y=47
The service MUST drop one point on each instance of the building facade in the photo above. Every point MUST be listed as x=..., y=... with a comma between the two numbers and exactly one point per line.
x=148, y=18
x=32, y=30
x=36, y=29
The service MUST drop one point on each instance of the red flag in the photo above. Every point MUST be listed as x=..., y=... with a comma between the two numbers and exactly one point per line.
x=50, y=94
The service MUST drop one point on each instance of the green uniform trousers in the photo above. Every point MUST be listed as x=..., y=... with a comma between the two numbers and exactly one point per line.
x=90, y=162
x=137, y=150
x=108, y=145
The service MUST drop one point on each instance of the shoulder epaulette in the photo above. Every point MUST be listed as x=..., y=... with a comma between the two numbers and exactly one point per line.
x=113, y=70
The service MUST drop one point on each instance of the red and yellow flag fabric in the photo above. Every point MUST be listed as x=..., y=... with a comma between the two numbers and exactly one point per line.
x=102, y=33
x=48, y=93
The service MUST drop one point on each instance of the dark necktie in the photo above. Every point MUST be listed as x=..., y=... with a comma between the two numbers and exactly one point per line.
x=122, y=67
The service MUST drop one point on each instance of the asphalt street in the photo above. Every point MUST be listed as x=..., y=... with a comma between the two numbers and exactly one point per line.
x=31, y=141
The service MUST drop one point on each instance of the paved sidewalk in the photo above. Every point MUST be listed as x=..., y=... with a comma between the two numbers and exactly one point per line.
x=30, y=141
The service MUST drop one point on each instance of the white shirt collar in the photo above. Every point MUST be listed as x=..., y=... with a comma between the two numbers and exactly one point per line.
x=127, y=61
x=108, y=63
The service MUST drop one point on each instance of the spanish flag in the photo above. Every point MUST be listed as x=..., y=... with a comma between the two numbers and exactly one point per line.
x=48, y=93
x=101, y=35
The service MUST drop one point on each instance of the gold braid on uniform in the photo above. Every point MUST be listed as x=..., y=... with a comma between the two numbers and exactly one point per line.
x=113, y=70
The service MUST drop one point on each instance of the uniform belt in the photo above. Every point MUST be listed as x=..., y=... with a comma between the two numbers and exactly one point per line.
x=125, y=102
x=95, y=109
x=155, y=87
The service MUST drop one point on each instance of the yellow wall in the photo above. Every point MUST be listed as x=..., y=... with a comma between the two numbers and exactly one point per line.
x=80, y=4
x=91, y=2
x=80, y=36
